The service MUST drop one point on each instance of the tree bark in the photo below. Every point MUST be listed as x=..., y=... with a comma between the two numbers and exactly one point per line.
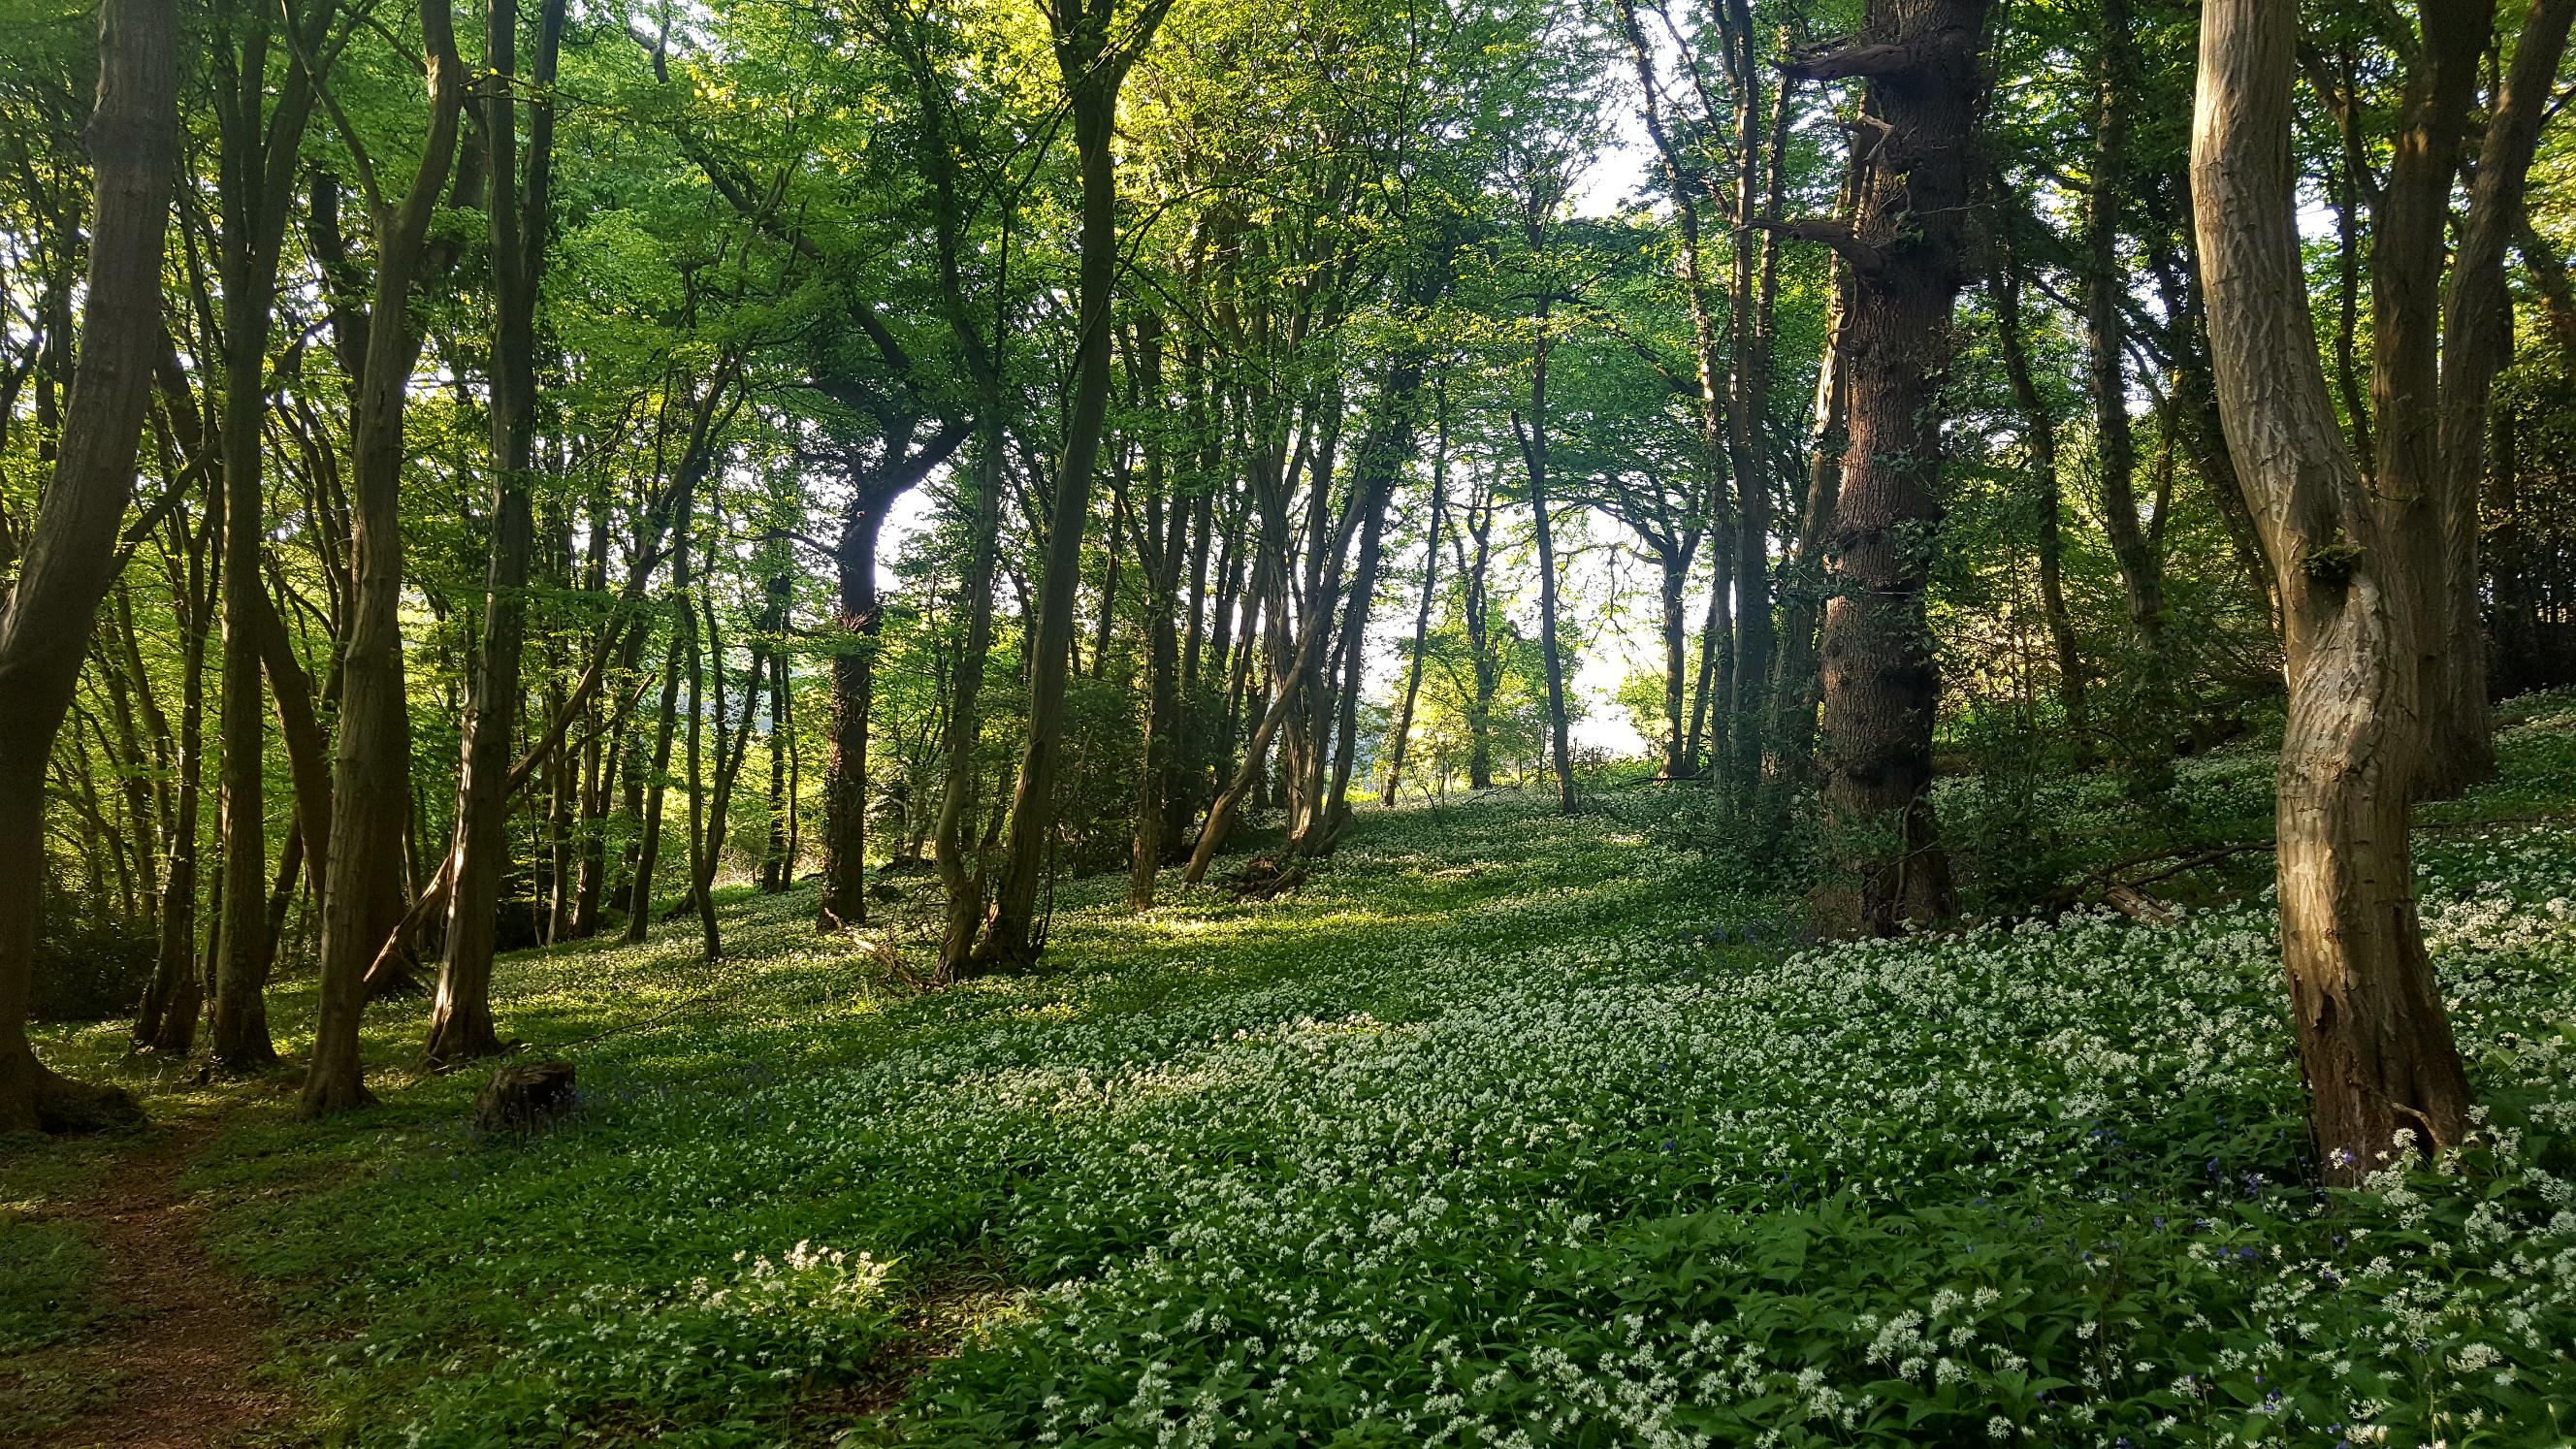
x=258, y=149
x=1399, y=735
x=2374, y=1042
x=71, y=548
x=2409, y=244
x=2477, y=343
x=2039, y=440
x=2106, y=344
x=368, y=798
x=1881, y=680
x=460, y=1018
x=1093, y=65
x=1533, y=441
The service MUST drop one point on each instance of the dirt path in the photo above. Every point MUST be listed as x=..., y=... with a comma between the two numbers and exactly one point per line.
x=182, y=1335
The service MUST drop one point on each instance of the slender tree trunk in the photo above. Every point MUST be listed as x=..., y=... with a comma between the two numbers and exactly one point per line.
x=257, y=148
x=71, y=553
x=2106, y=338
x=1748, y=407
x=1921, y=61
x=2374, y=1042
x=2477, y=343
x=704, y=840
x=1158, y=555
x=1382, y=456
x=963, y=882
x=2039, y=439
x=1399, y=736
x=648, y=850
x=1795, y=693
x=167, y=1023
x=1480, y=644
x=1551, y=659
x=1093, y=63
x=2411, y=223
x=367, y=798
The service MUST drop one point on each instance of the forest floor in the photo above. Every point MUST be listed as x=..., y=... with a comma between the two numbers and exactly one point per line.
x=1504, y=1129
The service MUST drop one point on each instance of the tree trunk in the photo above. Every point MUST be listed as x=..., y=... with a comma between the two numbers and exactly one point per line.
x=1400, y=735
x=2374, y=1042
x=1881, y=683
x=2106, y=340
x=1551, y=660
x=2039, y=440
x=258, y=146
x=845, y=773
x=167, y=1023
x=460, y=1019
x=703, y=841
x=1158, y=556
x=648, y=850
x=2411, y=221
x=71, y=551
x=2477, y=343
x=367, y=799
x=1382, y=456
x=1747, y=421
x=1093, y=65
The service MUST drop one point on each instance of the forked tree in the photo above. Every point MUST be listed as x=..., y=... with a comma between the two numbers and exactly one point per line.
x=2374, y=1041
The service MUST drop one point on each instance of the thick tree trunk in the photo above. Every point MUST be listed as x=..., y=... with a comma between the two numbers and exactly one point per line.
x=367, y=798
x=1881, y=681
x=2374, y=1042
x=845, y=773
x=71, y=551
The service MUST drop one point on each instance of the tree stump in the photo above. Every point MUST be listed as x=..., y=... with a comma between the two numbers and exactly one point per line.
x=524, y=1096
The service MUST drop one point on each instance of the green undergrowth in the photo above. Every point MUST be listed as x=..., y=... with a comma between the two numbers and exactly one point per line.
x=1506, y=1129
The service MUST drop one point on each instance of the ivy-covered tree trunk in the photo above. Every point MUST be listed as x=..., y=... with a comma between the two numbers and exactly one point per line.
x=1919, y=60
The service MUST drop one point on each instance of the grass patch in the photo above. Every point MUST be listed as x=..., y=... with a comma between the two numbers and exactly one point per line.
x=1507, y=1129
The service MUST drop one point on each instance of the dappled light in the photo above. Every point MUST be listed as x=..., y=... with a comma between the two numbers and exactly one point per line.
x=1749, y=723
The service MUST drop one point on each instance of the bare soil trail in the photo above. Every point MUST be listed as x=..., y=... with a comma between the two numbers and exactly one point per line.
x=171, y=1364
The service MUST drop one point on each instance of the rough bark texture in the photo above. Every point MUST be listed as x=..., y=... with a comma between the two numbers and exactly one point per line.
x=2373, y=1040
x=71, y=553
x=1879, y=676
